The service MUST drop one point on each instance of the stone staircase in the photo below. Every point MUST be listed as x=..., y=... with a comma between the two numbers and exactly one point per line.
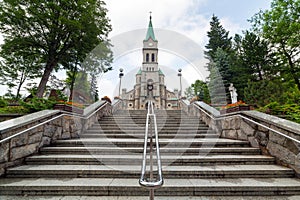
x=106, y=161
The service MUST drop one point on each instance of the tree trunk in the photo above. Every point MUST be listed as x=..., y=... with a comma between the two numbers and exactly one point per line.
x=72, y=85
x=42, y=86
x=22, y=79
x=292, y=65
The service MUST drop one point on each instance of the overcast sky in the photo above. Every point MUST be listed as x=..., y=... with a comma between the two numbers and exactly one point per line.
x=186, y=21
x=187, y=17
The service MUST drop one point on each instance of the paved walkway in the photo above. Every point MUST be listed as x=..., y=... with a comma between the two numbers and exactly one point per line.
x=147, y=198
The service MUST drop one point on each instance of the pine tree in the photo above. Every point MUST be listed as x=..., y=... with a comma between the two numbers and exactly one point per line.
x=218, y=38
x=216, y=86
x=219, y=52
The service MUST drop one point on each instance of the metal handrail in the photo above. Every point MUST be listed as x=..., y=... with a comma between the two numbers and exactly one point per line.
x=250, y=120
x=49, y=120
x=143, y=181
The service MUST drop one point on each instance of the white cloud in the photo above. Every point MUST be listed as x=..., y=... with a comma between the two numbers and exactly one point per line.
x=230, y=26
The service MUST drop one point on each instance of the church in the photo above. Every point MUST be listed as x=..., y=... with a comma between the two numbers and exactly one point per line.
x=150, y=80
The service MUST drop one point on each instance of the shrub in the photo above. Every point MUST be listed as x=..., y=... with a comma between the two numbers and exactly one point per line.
x=106, y=98
x=3, y=102
x=287, y=111
x=37, y=104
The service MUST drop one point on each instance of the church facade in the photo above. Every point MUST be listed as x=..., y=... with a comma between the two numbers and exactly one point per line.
x=150, y=80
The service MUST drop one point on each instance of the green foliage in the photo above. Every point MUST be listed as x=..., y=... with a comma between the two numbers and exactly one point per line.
x=280, y=26
x=37, y=104
x=265, y=92
x=256, y=56
x=16, y=69
x=57, y=32
x=287, y=111
x=216, y=86
x=220, y=55
x=261, y=93
x=200, y=89
x=3, y=102
x=218, y=38
x=13, y=110
x=61, y=96
x=189, y=93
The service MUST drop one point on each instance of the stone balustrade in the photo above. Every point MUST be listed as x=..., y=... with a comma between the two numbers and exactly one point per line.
x=184, y=105
x=117, y=105
x=61, y=125
x=245, y=126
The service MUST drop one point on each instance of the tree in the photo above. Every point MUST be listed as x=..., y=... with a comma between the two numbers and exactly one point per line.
x=256, y=56
x=94, y=88
x=200, y=89
x=216, y=86
x=281, y=27
x=239, y=71
x=15, y=70
x=218, y=38
x=97, y=61
x=219, y=52
x=189, y=93
x=54, y=30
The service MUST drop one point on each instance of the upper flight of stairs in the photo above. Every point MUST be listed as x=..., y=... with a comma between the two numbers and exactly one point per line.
x=106, y=161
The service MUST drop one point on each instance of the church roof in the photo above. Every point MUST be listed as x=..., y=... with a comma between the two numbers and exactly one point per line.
x=139, y=72
x=150, y=32
x=160, y=72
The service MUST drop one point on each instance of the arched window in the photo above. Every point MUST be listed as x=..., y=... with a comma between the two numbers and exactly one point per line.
x=147, y=57
x=153, y=57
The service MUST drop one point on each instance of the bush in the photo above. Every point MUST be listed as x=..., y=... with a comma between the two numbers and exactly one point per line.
x=37, y=104
x=267, y=92
x=13, y=109
x=262, y=93
x=106, y=98
x=3, y=102
x=287, y=111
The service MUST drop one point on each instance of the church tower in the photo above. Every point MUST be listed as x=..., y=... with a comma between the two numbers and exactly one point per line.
x=150, y=80
x=150, y=89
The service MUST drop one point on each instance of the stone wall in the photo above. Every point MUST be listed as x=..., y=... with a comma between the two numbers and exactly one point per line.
x=65, y=126
x=238, y=126
x=4, y=117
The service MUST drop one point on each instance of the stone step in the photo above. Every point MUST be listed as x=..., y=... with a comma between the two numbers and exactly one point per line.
x=212, y=197
x=130, y=187
x=141, y=128
x=127, y=131
x=128, y=124
x=108, y=131
x=129, y=171
x=138, y=135
x=136, y=142
x=143, y=120
x=139, y=150
x=134, y=159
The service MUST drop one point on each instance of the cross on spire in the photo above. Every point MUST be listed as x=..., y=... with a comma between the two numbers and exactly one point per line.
x=150, y=15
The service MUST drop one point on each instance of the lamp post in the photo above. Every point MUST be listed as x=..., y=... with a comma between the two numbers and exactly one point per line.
x=120, y=77
x=179, y=74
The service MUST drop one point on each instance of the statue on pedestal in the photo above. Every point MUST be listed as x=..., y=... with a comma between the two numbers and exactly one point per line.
x=233, y=93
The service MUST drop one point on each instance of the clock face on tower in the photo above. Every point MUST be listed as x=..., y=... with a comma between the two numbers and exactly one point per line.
x=150, y=44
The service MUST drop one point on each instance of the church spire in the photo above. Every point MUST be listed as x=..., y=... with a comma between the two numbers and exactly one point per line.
x=150, y=32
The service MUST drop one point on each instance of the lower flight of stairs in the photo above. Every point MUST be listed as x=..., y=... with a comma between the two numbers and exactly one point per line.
x=106, y=161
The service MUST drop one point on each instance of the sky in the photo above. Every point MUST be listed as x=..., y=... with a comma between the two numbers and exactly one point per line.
x=180, y=27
